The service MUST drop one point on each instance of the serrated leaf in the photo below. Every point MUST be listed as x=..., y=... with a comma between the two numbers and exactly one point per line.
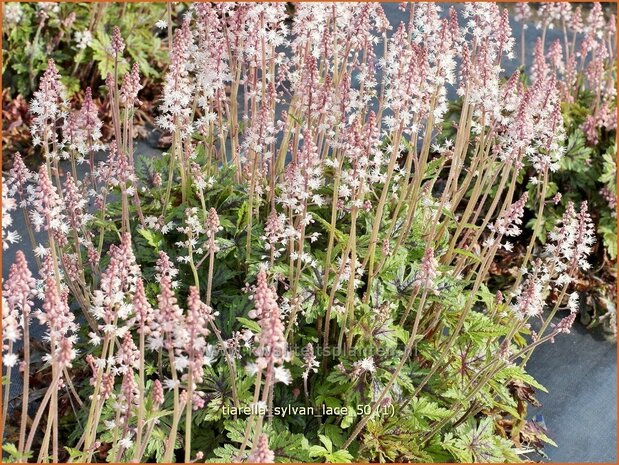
x=152, y=238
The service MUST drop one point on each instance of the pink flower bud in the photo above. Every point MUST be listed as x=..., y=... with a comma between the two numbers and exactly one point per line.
x=261, y=452
x=158, y=396
x=118, y=44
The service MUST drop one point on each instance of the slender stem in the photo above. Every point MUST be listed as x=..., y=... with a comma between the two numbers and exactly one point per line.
x=171, y=443
x=25, y=385
x=188, y=411
x=209, y=285
x=394, y=376
x=251, y=419
x=229, y=361
x=7, y=391
x=37, y=418
x=141, y=382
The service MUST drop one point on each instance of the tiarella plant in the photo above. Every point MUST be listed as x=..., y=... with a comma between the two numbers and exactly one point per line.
x=583, y=60
x=304, y=274
x=77, y=37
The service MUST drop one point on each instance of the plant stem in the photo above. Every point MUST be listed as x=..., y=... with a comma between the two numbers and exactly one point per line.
x=25, y=385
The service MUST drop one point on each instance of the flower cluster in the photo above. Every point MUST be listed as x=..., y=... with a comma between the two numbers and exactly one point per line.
x=272, y=349
x=47, y=106
x=16, y=305
x=8, y=205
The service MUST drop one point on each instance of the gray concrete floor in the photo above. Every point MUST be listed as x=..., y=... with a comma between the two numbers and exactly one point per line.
x=580, y=372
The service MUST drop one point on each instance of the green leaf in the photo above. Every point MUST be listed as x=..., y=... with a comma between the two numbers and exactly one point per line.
x=317, y=451
x=14, y=455
x=478, y=443
x=516, y=372
x=242, y=217
x=433, y=168
x=335, y=433
x=339, y=235
x=467, y=253
x=153, y=239
x=249, y=324
x=424, y=410
x=73, y=453
x=340, y=456
x=326, y=441
x=10, y=449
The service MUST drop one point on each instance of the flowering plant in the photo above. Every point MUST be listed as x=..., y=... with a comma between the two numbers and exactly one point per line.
x=303, y=275
x=77, y=37
x=583, y=60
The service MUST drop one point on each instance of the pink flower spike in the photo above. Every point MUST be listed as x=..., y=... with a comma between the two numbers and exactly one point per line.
x=157, y=393
x=130, y=87
x=272, y=344
x=427, y=272
x=142, y=307
x=20, y=285
x=261, y=453
x=48, y=211
x=118, y=44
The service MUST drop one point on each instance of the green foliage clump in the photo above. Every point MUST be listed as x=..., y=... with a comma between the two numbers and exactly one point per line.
x=77, y=38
